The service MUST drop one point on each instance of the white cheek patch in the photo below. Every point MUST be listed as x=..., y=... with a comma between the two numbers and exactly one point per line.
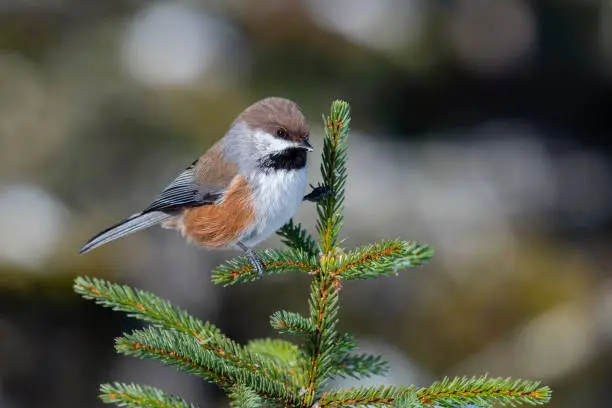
x=266, y=142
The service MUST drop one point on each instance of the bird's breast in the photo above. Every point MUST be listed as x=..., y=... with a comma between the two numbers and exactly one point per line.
x=277, y=195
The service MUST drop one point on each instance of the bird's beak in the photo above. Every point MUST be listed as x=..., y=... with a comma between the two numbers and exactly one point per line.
x=305, y=145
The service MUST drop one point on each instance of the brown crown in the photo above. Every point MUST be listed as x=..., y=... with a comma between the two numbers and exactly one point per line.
x=278, y=116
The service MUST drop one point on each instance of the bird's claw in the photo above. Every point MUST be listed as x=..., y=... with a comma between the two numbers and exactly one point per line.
x=255, y=261
x=257, y=266
x=318, y=193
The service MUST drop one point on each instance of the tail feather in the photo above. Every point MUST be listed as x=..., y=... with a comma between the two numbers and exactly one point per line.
x=131, y=224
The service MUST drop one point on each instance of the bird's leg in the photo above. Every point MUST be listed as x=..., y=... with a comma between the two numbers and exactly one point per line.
x=318, y=193
x=257, y=264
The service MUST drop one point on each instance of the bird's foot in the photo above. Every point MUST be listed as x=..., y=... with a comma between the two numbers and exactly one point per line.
x=318, y=193
x=255, y=261
x=257, y=264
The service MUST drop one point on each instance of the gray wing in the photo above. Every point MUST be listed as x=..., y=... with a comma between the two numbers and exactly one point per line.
x=183, y=192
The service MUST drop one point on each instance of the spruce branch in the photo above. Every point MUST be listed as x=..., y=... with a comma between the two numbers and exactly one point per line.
x=173, y=349
x=384, y=258
x=282, y=351
x=333, y=171
x=348, y=364
x=410, y=399
x=322, y=345
x=360, y=366
x=448, y=393
x=244, y=397
x=135, y=396
x=292, y=323
x=484, y=391
x=182, y=352
x=345, y=343
x=295, y=237
x=146, y=306
x=288, y=356
x=324, y=294
x=240, y=270
x=360, y=396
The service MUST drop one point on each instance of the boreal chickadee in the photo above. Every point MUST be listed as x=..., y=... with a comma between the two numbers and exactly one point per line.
x=241, y=191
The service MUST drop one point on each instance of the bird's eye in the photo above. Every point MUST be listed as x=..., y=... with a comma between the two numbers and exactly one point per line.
x=282, y=133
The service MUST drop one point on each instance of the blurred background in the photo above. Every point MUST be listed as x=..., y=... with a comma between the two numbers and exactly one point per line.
x=480, y=127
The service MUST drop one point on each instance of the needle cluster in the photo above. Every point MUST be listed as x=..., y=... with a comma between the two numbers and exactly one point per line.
x=275, y=372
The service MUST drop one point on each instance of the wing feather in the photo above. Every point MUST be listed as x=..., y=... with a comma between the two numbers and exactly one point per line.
x=202, y=183
x=184, y=191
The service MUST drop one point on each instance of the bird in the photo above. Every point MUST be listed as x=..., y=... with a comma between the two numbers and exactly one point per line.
x=242, y=190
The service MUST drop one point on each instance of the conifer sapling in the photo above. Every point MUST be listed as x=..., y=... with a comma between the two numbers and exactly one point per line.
x=275, y=372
